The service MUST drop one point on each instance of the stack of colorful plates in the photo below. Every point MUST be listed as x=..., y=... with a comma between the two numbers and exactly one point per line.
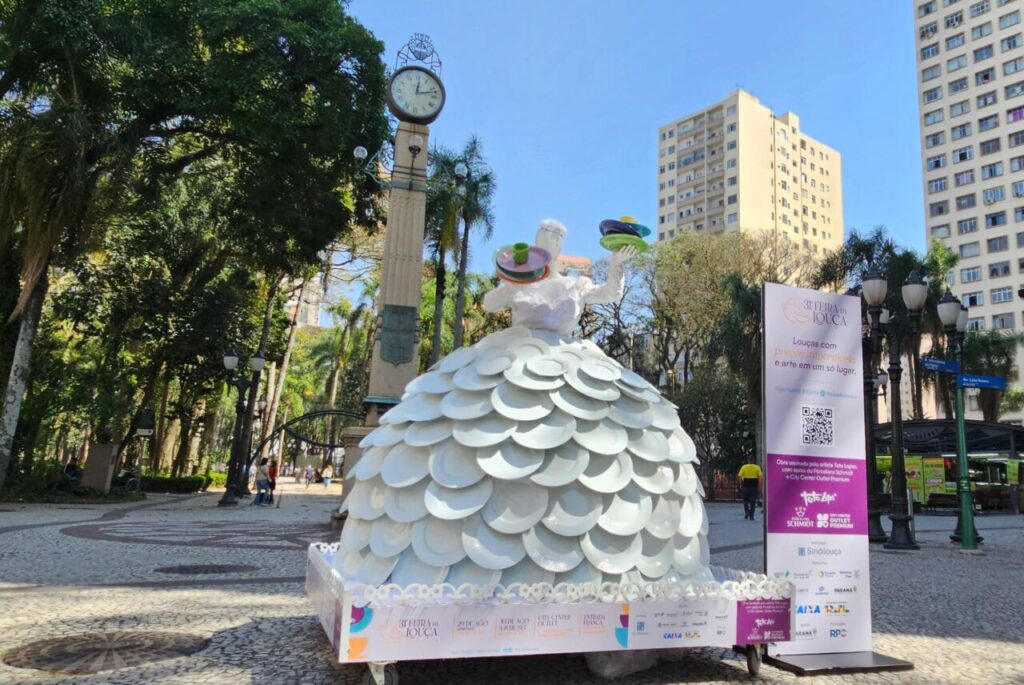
x=618, y=233
x=536, y=267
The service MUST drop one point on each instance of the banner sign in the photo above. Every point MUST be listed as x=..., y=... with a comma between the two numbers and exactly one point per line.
x=815, y=478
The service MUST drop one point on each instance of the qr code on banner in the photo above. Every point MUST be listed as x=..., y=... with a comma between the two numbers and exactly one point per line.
x=816, y=425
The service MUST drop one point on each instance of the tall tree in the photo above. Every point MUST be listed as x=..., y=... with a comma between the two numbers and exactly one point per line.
x=992, y=353
x=442, y=234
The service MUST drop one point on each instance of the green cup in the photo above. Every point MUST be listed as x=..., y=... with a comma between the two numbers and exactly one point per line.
x=520, y=253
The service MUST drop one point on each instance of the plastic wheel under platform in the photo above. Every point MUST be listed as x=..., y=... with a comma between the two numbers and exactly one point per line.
x=753, y=659
x=380, y=674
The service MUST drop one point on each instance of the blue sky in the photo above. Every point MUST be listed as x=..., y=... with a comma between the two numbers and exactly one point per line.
x=567, y=97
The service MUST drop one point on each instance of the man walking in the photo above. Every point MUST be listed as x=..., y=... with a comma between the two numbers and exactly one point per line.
x=750, y=486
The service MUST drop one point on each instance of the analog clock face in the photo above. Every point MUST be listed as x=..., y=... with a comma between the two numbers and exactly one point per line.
x=415, y=95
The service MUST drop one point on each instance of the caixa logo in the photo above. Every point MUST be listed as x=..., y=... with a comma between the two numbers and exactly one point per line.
x=672, y=636
x=837, y=632
x=808, y=609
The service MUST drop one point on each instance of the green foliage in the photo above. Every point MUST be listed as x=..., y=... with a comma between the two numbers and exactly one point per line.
x=992, y=353
x=179, y=484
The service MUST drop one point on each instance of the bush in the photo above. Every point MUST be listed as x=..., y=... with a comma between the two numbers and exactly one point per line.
x=215, y=479
x=181, y=484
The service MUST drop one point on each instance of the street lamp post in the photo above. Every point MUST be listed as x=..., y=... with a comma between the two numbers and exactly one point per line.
x=954, y=320
x=236, y=463
x=873, y=287
x=915, y=292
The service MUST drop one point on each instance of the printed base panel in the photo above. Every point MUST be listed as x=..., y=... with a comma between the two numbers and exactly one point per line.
x=398, y=633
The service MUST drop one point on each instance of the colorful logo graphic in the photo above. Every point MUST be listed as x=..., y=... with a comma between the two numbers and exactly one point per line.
x=622, y=632
x=361, y=617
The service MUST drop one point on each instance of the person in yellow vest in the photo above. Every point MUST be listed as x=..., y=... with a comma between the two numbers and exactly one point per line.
x=750, y=486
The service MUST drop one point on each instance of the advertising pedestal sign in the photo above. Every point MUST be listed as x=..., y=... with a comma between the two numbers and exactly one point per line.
x=815, y=478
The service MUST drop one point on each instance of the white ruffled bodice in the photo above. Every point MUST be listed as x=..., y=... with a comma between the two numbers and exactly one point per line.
x=554, y=304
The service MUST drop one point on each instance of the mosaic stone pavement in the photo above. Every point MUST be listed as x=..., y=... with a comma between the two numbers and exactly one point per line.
x=80, y=589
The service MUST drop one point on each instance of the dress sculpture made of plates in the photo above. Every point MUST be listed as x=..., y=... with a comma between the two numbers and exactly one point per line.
x=529, y=457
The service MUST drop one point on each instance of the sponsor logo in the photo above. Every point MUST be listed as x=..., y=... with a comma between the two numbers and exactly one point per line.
x=672, y=636
x=826, y=574
x=808, y=609
x=814, y=497
x=819, y=551
x=692, y=635
x=845, y=589
x=419, y=628
x=805, y=634
x=814, y=311
x=822, y=590
x=837, y=632
x=837, y=608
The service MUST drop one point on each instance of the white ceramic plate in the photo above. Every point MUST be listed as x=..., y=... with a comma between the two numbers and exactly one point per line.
x=654, y=477
x=648, y=444
x=681, y=447
x=607, y=474
x=552, y=552
x=649, y=396
x=627, y=511
x=599, y=390
x=562, y=465
x=664, y=416
x=347, y=564
x=577, y=404
x=600, y=369
x=572, y=510
x=584, y=572
x=546, y=433
x=611, y=553
x=369, y=462
x=422, y=407
x=407, y=504
x=655, y=556
x=428, y=432
x=528, y=348
x=411, y=569
x=437, y=542
x=691, y=516
x=527, y=573
x=601, y=437
x=489, y=548
x=384, y=436
x=665, y=517
x=509, y=460
x=436, y=382
x=454, y=465
x=633, y=380
x=457, y=359
x=686, y=484
x=493, y=362
x=546, y=365
x=517, y=374
x=388, y=538
x=405, y=465
x=484, y=431
x=467, y=378
x=355, y=534
x=374, y=570
x=463, y=405
x=631, y=413
x=515, y=506
x=452, y=504
x=466, y=571
x=367, y=499
x=686, y=556
x=520, y=404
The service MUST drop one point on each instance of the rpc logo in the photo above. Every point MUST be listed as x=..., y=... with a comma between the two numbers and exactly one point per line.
x=837, y=632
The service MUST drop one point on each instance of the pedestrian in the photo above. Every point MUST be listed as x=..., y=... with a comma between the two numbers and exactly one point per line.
x=73, y=472
x=272, y=476
x=750, y=486
x=327, y=474
x=309, y=475
x=262, y=483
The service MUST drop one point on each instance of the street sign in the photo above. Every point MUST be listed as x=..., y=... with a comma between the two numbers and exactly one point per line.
x=943, y=365
x=965, y=380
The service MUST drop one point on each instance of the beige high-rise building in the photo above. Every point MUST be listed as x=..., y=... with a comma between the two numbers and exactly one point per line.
x=970, y=58
x=736, y=166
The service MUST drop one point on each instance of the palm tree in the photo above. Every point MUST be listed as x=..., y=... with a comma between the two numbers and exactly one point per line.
x=992, y=353
x=441, y=232
x=477, y=214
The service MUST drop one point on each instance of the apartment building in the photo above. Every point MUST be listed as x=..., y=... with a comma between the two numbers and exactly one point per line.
x=970, y=58
x=736, y=166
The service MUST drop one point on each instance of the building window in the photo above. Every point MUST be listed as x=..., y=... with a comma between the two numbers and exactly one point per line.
x=999, y=269
x=1014, y=89
x=959, y=85
x=929, y=51
x=961, y=131
x=1008, y=20
x=955, y=41
x=962, y=107
x=1013, y=66
x=988, y=147
x=935, y=139
x=975, y=324
x=963, y=154
x=988, y=123
x=937, y=185
x=1016, y=139
x=970, y=250
x=938, y=208
x=1000, y=295
x=1010, y=43
x=731, y=181
x=936, y=162
x=932, y=94
x=966, y=226
x=986, y=99
x=1020, y=238
x=1000, y=244
x=964, y=178
x=980, y=54
x=731, y=218
x=926, y=9
x=730, y=164
x=1002, y=321
x=981, y=30
x=933, y=117
x=731, y=200
x=970, y=275
x=985, y=76
x=965, y=201
x=995, y=219
x=975, y=299
x=942, y=231
x=992, y=170
x=979, y=8
x=1016, y=163
x=1018, y=189
x=932, y=72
